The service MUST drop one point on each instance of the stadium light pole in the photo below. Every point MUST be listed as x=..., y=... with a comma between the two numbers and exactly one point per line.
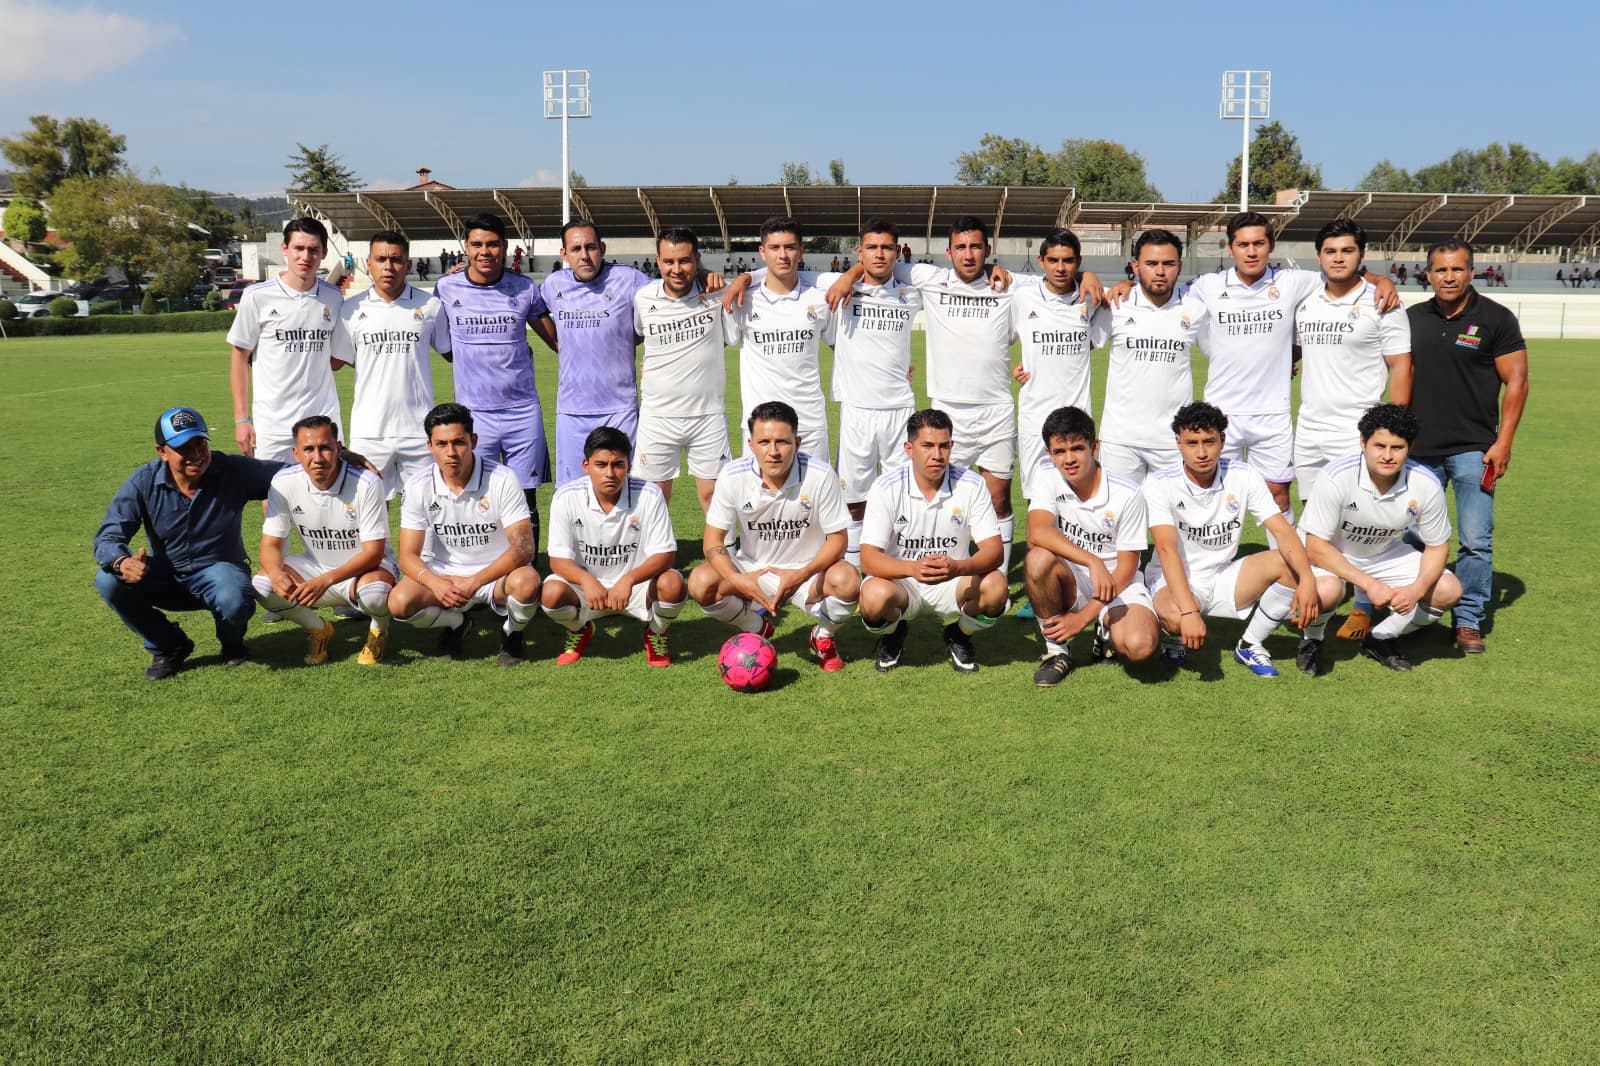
x=566, y=96
x=1246, y=95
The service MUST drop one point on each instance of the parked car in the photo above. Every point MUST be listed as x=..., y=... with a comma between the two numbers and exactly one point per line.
x=26, y=304
x=223, y=276
x=202, y=290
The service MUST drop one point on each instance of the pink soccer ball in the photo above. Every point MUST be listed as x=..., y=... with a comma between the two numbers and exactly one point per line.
x=746, y=662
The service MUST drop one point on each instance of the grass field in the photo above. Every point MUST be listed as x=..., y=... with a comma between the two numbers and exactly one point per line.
x=445, y=861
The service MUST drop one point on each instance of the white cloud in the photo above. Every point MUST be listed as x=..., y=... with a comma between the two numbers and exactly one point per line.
x=50, y=45
x=542, y=178
x=387, y=183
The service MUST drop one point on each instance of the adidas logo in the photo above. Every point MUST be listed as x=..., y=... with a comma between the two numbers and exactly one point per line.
x=1131, y=321
x=1351, y=506
x=272, y=313
x=748, y=506
x=456, y=304
x=578, y=522
x=362, y=317
x=652, y=307
x=1224, y=296
x=433, y=505
x=1179, y=505
x=298, y=509
x=900, y=520
x=1033, y=314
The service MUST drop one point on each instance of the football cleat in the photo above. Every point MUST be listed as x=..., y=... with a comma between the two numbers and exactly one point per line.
x=963, y=657
x=1100, y=649
x=826, y=651
x=1256, y=658
x=450, y=641
x=1308, y=657
x=655, y=649
x=510, y=649
x=577, y=640
x=1385, y=653
x=1025, y=610
x=1053, y=669
x=1173, y=653
x=372, y=651
x=317, y=641
x=890, y=647
x=1356, y=625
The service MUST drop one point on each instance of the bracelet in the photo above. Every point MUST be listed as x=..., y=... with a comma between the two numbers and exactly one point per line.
x=1186, y=614
x=241, y=421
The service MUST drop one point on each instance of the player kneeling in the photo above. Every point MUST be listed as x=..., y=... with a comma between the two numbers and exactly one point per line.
x=340, y=513
x=1196, y=516
x=483, y=541
x=1354, y=523
x=790, y=515
x=922, y=520
x=1086, y=531
x=611, y=550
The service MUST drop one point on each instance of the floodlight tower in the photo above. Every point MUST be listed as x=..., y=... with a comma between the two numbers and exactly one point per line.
x=1246, y=95
x=566, y=96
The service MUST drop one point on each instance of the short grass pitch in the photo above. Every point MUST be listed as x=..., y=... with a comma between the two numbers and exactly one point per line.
x=447, y=861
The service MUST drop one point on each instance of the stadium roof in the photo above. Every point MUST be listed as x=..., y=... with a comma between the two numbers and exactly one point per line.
x=1393, y=220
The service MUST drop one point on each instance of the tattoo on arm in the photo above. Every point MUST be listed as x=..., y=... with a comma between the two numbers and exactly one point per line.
x=525, y=545
x=716, y=549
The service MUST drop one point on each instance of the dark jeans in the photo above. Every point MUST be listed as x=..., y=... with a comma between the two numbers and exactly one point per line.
x=1474, y=529
x=223, y=589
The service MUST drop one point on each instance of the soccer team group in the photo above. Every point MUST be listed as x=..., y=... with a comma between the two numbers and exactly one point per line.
x=910, y=514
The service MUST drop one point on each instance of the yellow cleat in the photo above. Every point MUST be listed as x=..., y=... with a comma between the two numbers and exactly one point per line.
x=317, y=642
x=372, y=650
x=1355, y=626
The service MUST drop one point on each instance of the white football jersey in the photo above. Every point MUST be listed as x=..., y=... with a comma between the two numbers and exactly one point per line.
x=1248, y=336
x=871, y=338
x=1057, y=334
x=332, y=524
x=778, y=335
x=1147, y=375
x=469, y=530
x=904, y=524
x=388, y=345
x=1111, y=520
x=684, y=372
x=608, y=545
x=1347, y=511
x=968, y=335
x=1345, y=346
x=290, y=334
x=786, y=528
x=1209, y=521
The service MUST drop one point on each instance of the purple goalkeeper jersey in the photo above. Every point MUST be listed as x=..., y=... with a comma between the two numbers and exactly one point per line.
x=594, y=326
x=489, y=334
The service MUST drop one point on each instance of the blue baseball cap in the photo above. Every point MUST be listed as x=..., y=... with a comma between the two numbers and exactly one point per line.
x=178, y=426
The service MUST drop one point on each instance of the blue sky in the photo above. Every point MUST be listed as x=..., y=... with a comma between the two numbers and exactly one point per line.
x=688, y=94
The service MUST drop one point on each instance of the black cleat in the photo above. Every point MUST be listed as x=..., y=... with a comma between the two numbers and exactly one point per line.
x=890, y=646
x=1385, y=653
x=164, y=664
x=1308, y=657
x=1053, y=669
x=963, y=658
x=235, y=654
x=450, y=641
x=510, y=649
x=1100, y=649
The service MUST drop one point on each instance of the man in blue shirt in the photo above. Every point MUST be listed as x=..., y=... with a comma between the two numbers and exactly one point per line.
x=189, y=502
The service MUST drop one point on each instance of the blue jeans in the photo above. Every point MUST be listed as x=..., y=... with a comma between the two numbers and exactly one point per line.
x=1474, y=529
x=223, y=589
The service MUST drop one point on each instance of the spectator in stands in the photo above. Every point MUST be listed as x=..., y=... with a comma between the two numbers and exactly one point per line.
x=1401, y=275
x=1561, y=277
x=422, y=267
x=1500, y=276
x=905, y=253
x=1587, y=276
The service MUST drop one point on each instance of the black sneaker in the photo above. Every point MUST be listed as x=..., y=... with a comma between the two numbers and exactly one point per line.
x=510, y=648
x=1053, y=669
x=963, y=658
x=1385, y=653
x=1308, y=657
x=890, y=645
x=1100, y=649
x=164, y=664
x=235, y=654
x=450, y=641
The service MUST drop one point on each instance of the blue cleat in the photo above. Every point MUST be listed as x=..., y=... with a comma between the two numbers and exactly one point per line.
x=1256, y=658
x=1173, y=653
x=1025, y=610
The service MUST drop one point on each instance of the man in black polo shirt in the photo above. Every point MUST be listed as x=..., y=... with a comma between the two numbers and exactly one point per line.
x=189, y=502
x=1470, y=383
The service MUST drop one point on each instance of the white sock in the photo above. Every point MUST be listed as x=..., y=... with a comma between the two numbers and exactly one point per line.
x=1317, y=630
x=973, y=623
x=1422, y=616
x=1050, y=646
x=737, y=612
x=662, y=615
x=518, y=614
x=435, y=617
x=1007, y=524
x=565, y=616
x=852, y=544
x=373, y=598
x=1396, y=624
x=304, y=617
x=1274, y=606
x=835, y=613
x=891, y=619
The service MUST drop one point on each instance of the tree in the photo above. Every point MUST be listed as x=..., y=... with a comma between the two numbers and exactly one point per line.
x=1006, y=161
x=577, y=180
x=53, y=150
x=124, y=222
x=216, y=220
x=1386, y=177
x=1275, y=164
x=836, y=172
x=319, y=170
x=796, y=174
x=1096, y=169
x=24, y=221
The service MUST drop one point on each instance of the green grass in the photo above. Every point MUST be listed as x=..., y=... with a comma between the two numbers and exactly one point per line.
x=446, y=861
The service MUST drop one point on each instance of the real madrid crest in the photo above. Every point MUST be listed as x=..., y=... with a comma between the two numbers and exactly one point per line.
x=1272, y=292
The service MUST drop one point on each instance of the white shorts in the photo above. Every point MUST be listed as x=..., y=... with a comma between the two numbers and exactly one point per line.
x=940, y=599
x=275, y=450
x=638, y=602
x=813, y=433
x=1030, y=453
x=398, y=459
x=1312, y=452
x=1132, y=461
x=1214, y=592
x=663, y=443
x=984, y=438
x=871, y=442
x=769, y=585
x=342, y=594
x=1135, y=595
x=1397, y=566
x=1266, y=441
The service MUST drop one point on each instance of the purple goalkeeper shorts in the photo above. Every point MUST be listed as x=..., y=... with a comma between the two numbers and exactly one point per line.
x=573, y=430
x=515, y=436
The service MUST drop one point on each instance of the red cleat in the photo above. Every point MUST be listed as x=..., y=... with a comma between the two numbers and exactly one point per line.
x=827, y=652
x=655, y=649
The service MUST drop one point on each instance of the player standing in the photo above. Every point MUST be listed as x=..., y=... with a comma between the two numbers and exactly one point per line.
x=611, y=551
x=923, y=519
x=281, y=366
x=789, y=513
x=683, y=378
x=482, y=540
x=1086, y=532
x=386, y=333
x=339, y=513
x=1354, y=526
x=1196, y=516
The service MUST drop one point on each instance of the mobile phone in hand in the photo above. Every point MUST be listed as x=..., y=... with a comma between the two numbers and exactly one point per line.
x=1486, y=482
